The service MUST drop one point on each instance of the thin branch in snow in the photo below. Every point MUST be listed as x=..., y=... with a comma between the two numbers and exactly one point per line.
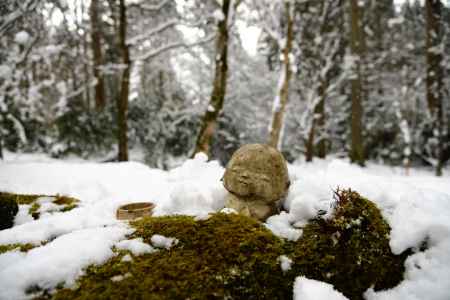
x=170, y=46
x=150, y=7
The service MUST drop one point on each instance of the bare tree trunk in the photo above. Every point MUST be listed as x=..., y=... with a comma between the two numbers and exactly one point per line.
x=434, y=75
x=209, y=121
x=357, y=149
x=282, y=96
x=318, y=122
x=100, y=100
x=87, y=78
x=321, y=145
x=122, y=103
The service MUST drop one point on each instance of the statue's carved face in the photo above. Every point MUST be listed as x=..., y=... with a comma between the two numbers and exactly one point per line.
x=257, y=172
x=247, y=182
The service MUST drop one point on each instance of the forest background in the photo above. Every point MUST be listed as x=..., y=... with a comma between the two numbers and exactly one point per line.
x=366, y=80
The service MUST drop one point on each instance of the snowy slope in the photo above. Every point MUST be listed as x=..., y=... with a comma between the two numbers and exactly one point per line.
x=416, y=207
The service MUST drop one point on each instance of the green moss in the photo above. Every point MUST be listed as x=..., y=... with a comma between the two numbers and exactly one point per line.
x=235, y=257
x=226, y=256
x=34, y=210
x=19, y=198
x=350, y=250
x=65, y=200
x=8, y=211
x=67, y=203
x=21, y=247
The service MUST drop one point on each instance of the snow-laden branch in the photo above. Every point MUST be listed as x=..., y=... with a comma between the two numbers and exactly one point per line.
x=174, y=45
x=160, y=28
x=81, y=89
x=268, y=28
x=170, y=23
x=150, y=7
x=25, y=7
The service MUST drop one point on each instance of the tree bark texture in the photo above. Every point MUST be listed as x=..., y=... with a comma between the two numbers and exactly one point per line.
x=100, y=100
x=282, y=96
x=122, y=103
x=356, y=44
x=209, y=120
x=434, y=75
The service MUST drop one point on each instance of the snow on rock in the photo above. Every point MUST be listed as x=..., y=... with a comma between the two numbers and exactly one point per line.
x=281, y=226
x=309, y=289
x=54, y=226
x=228, y=210
x=23, y=216
x=61, y=260
x=160, y=241
x=136, y=246
x=417, y=207
x=127, y=258
x=47, y=206
x=285, y=263
x=118, y=278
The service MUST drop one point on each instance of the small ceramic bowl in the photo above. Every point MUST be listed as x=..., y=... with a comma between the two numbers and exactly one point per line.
x=136, y=210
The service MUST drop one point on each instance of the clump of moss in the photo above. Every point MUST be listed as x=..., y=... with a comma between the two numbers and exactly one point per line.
x=235, y=257
x=8, y=210
x=21, y=247
x=226, y=256
x=349, y=250
x=20, y=198
x=65, y=200
x=67, y=203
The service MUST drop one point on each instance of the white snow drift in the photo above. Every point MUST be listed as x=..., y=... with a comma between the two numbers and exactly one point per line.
x=417, y=208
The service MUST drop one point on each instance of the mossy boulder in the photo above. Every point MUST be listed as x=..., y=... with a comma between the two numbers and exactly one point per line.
x=66, y=203
x=224, y=257
x=349, y=250
x=20, y=247
x=236, y=257
x=8, y=211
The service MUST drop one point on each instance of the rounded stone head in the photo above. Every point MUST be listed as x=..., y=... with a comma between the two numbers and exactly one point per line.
x=256, y=176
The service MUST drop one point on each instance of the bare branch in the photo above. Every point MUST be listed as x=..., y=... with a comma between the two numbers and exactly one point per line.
x=8, y=20
x=150, y=7
x=174, y=45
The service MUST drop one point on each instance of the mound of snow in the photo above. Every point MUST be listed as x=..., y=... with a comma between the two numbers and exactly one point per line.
x=61, y=260
x=136, y=246
x=309, y=289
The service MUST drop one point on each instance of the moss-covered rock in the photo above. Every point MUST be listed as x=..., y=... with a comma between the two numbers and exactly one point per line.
x=66, y=203
x=20, y=198
x=20, y=247
x=235, y=257
x=226, y=256
x=349, y=250
x=8, y=210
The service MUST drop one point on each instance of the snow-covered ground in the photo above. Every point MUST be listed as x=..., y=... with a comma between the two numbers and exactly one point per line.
x=416, y=206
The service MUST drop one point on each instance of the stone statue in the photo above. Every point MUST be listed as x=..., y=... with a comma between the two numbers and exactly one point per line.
x=257, y=180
